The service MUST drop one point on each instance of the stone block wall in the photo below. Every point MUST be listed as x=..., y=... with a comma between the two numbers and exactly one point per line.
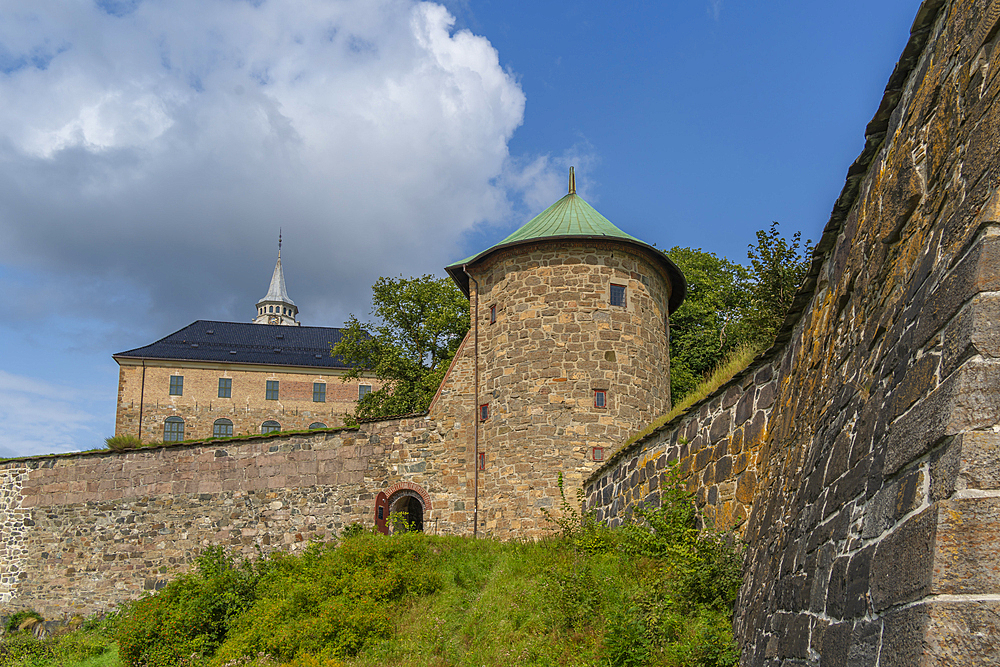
x=871, y=537
x=715, y=446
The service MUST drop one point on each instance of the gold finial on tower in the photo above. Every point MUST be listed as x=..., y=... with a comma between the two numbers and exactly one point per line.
x=572, y=182
x=279, y=242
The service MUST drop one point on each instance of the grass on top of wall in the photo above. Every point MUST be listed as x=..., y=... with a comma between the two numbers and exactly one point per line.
x=739, y=359
x=120, y=443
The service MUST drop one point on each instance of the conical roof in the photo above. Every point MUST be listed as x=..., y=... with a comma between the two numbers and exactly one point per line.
x=276, y=291
x=572, y=218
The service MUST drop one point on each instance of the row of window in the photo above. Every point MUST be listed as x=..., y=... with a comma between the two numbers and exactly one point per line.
x=600, y=401
x=270, y=391
x=173, y=428
x=280, y=310
x=617, y=299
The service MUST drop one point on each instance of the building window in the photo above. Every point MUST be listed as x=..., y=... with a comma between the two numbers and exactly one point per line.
x=482, y=460
x=222, y=428
x=225, y=387
x=493, y=314
x=600, y=398
x=319, y=392
x=317, y=425
x=484, y=412
x=598, y=453
x=272, y=390
x=270, y=426
x=176, y=385
x=617, y=295
x=364, y=390
x=173, y=429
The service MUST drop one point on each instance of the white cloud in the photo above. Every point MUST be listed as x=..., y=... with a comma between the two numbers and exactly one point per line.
x=714, y=8
x=155, y=147
x=40, y=417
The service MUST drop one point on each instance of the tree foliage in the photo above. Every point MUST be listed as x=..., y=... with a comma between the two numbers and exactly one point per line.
x=421, y=322
x=729, y=305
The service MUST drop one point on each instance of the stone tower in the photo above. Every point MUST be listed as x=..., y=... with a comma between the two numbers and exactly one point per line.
x=276, y=307
x=570, y=337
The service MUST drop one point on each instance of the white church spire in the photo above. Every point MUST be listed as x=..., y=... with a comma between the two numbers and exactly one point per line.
x=276, y=307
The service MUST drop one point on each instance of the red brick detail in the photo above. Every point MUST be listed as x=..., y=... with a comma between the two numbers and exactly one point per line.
x=399, y=486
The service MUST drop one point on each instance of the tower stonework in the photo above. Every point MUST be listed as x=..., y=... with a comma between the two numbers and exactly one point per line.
x=572, y=320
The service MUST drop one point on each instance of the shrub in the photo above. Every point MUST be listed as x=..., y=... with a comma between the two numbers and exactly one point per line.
x=189, y=618
x=331, y=602
x=22, y=649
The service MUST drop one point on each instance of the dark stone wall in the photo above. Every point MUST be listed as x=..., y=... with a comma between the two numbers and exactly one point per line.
x=873, y=529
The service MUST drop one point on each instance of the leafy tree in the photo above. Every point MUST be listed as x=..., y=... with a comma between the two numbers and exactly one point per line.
x=700, y=330
x=729, y=305
x=423, y=321
x=777, y=268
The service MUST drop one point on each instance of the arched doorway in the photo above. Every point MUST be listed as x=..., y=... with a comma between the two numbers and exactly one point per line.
x=406, y=500
x=409, y=506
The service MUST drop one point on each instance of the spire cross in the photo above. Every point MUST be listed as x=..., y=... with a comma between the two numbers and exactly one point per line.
x=572, y=182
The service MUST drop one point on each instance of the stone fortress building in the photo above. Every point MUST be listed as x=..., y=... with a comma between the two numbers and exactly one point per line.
x=218, y=379
x=860, y=454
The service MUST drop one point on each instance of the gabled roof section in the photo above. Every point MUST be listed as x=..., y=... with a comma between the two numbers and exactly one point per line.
x=245, y=343
x=572, y=218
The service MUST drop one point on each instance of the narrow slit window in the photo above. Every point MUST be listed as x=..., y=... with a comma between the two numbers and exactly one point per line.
x=618, y=295
x=482, y=460
x=484, y=412
x=493, y=314
x=600, y=398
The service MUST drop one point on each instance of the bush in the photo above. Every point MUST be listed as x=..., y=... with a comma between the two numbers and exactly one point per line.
x=21, y=649
x=332, y=601
x=189, y=618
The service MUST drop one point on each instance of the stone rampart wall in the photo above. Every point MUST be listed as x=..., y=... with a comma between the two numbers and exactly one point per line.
x=871, y=537
x=716, y=447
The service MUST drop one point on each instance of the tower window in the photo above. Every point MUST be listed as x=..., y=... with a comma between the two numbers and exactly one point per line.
x=493, y=314
x=598, y=453
x=319, y=392
x=482, y=460
x=617, y=295
x=364, y=390
x=176, y=385
x=484, y=412
x=222, y=428
x=271, y=394
x=600, y=398
x=270, y=426
x=225, y=387
x=173, y=429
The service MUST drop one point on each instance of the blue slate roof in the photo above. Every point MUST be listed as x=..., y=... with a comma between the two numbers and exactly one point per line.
x=239, y=343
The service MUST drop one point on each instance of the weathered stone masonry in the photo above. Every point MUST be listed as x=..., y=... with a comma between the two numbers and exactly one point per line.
x=872, y=537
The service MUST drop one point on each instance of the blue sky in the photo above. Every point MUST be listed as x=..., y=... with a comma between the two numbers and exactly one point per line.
x=150, y=150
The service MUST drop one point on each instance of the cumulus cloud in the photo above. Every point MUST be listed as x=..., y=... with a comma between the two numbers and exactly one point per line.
x=151, y=149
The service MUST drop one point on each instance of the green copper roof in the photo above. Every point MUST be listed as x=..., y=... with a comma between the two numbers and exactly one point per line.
x=571, y=217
